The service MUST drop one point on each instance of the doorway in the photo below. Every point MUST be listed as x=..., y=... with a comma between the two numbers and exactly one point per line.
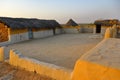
x=98, y=28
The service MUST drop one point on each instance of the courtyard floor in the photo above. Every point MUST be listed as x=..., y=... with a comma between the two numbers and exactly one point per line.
x=61, y=50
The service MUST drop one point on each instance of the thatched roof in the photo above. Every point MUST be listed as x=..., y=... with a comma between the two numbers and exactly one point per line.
x=16, y=23
x=106, y=22
x=71, y=23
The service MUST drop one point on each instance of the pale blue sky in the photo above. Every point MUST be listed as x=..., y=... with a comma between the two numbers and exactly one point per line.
x=82, y=11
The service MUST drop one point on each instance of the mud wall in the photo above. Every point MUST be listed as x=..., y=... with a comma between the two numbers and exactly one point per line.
x=50, y=70
x=43, y=34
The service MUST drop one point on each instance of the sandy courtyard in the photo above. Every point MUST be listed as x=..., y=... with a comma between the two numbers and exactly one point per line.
x=62, y=50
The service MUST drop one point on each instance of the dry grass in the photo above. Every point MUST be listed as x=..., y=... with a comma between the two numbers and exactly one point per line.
x=19, y=74
x=5, y=69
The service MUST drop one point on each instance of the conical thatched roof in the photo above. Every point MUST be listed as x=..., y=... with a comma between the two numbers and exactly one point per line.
x=71, y=23
x=106, y=22
x=16, y=23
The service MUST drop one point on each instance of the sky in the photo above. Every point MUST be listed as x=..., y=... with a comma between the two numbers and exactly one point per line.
x=82, y=11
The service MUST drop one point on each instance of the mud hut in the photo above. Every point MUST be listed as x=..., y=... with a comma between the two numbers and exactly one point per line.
x=101, y=25
x=71, y=27
x=20, y=29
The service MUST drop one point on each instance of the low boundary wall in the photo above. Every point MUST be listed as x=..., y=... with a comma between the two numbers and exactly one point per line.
x=5, y=43
x=4, y=53
x=50, y=70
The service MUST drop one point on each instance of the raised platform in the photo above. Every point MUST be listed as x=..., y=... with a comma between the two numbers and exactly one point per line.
x=100, y=63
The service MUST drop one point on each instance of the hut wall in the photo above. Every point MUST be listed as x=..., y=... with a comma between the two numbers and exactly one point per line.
x=103, y=29
x=18, y=35
x=50, y=70
x=58, y=31
x=87, y=28
x=71, y=29
x=79, y=29
x=42, y=33
x=3, y=33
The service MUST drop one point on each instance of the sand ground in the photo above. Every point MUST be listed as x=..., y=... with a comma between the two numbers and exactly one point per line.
x=62, y=50
x=8, y=72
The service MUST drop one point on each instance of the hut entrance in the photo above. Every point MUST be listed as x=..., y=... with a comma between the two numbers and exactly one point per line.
x=30, y=33
x=98, y=28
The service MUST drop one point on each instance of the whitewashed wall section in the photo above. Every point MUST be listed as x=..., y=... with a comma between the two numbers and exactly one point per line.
x=18, y=37
x=42, y=34
x=103, y=30
x=58, y=31
x=87, y=29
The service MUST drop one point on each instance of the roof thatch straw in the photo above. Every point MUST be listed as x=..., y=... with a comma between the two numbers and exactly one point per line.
x=106, y=22
x=16, y=23
x=71, y=23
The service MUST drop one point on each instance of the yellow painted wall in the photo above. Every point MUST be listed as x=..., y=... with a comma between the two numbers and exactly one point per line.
x=18, y=31
x=108, y=33
x=76, y=27
x=90, y=71
x=40, y=68
x=111, y=32
x=41, y=29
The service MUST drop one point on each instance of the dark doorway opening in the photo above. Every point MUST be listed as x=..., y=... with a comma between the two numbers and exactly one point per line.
x=98, y=28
